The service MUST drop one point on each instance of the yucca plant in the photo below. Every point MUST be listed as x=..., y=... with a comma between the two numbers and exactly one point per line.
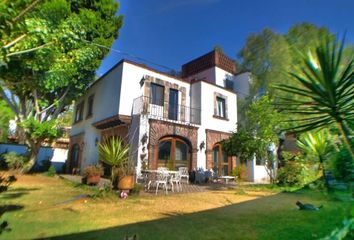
x=317, y=146
x=325, y=94
x=115, y=153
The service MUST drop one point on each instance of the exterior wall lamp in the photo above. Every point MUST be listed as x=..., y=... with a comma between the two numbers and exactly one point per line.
x=201, y=145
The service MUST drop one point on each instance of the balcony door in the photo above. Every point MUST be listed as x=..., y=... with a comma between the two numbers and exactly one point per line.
x=173, y=105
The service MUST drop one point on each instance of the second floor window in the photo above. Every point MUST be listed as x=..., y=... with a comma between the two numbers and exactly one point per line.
x=157, y=94
x=79, y=112
x=220, y=107
x=89, y=106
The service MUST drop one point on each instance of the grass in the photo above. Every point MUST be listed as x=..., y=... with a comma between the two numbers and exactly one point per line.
x=39, y=209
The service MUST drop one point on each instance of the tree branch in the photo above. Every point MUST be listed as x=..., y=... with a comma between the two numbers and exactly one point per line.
x=57, y=111
x=29, y=50
x=26, y=10
x=14, y=41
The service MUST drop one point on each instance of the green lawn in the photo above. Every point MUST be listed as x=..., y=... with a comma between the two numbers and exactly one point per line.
x=38, y=208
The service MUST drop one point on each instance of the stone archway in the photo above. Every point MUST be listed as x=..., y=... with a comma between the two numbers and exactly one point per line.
x=160, y=129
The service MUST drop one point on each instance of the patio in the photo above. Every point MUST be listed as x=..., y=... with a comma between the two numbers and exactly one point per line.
x=186, y=188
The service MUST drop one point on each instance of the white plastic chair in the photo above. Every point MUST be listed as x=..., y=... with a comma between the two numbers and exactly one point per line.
x=176, y=179
x=183, y=171
x=162, y=177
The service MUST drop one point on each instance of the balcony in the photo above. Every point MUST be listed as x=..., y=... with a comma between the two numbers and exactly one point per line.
x=166, y=111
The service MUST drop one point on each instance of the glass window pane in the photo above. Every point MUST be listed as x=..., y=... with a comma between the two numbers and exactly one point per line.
x=215, y=159
x=181, y=151
x=224, y=157
x=157, y=94
x=165, y=150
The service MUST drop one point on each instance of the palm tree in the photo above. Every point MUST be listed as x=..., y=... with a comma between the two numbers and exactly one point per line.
x=325, y=94
x=114, y=153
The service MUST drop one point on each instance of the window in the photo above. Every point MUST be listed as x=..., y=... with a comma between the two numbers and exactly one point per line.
x=79, y=112
x=220, y=107
x=90, y=106
x=173, y=153
x=220, y=161
x=157, y=94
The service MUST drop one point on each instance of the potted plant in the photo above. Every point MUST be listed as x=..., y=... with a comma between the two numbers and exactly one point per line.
x=93, y=174
x=114, y=153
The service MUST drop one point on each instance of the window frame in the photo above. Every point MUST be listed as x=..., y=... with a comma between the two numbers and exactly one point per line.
x=153, y=99
x=79, y=112
x=90, y=102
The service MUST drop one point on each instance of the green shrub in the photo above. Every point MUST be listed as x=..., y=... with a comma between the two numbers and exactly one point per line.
x=342, y=166
x=93, y=170
x=239, y=171
x=51, y=171
x=16, y=162
x=45, y=165
x=295, y=172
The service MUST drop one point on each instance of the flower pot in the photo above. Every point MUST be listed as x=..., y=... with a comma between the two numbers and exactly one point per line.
x=93, y=179
x=126, y=183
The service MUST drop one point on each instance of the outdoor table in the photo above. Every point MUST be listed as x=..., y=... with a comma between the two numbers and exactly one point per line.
x=226, y=178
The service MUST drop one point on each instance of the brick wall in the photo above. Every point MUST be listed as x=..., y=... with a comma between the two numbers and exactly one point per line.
x=213, y=137
x=160, y=129
x=79, y=140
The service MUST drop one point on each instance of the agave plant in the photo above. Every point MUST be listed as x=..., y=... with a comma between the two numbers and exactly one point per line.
x=114, y=153
x=325, y=95
x=316, y=145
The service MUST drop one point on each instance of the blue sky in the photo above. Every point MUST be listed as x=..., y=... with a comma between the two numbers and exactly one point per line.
x=173, y=32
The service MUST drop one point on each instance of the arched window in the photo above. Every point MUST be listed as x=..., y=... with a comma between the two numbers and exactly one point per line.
x=173, y=153
x=220, y=161
x=74, y=157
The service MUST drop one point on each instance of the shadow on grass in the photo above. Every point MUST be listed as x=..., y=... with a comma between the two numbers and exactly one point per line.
x=13, y=193
x=271, y=217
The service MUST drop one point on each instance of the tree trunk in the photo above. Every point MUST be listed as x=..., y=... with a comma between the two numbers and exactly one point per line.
x=33, y=151
x=345, y=135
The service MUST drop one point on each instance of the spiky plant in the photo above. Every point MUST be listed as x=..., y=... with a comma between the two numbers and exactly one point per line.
x=325, y=94
x=318, y=146
x=114, y=153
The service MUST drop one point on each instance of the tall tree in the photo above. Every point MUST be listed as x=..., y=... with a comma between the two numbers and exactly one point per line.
x=50, y=51
x=266, y=55
x=269, y=56
x=258, y=135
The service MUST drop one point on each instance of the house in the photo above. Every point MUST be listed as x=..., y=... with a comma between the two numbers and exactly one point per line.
x=167, y=120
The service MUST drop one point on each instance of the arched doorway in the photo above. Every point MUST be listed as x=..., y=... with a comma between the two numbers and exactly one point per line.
x=74, y=157
x=173, y=153
x=221, y=161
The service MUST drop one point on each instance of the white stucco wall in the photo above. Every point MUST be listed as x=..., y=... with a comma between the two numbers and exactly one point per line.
x=57, y=156
x=105, y=104
x=242, y=84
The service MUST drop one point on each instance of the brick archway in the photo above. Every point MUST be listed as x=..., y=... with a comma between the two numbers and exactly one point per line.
x=212, y=139
x=160, y=129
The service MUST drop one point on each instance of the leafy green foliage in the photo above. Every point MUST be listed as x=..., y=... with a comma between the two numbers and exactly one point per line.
x=37, y=130
x=51, y=171
x=257, y=135
x=326, y=91
x=49, y=52
x=16, y=162
x=260, y=130
x=345, y=232
x=342, y=166
x=297, y=171
x=5, y=116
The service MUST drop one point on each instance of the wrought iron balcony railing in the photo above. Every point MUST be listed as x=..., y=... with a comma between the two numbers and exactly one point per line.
x=166, y=110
